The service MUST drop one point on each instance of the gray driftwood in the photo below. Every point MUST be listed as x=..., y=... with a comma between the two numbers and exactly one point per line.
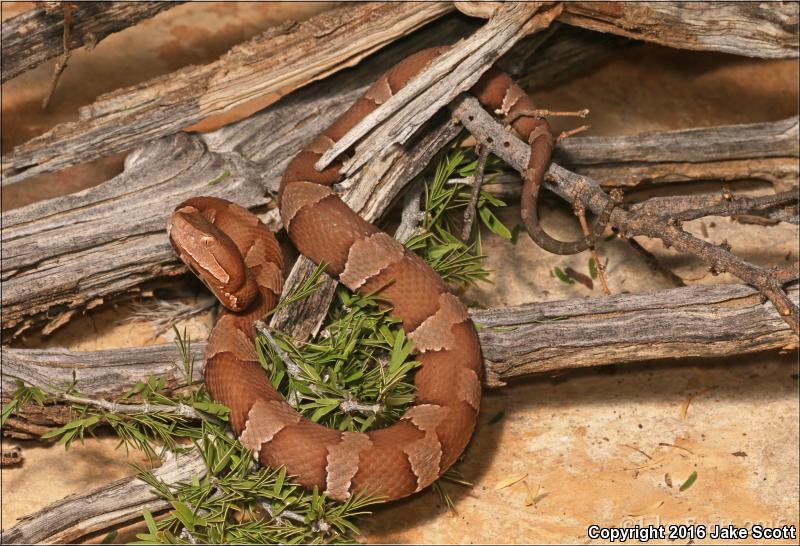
x=520, y=341
x=67, y=253
x=767, y=30
x=81, y=514
x=742, y=28
x=33, y=37
x=454, y=71
x=266, y=64
x=767, y=151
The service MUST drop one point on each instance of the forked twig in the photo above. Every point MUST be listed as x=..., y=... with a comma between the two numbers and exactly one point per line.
x=641, y=219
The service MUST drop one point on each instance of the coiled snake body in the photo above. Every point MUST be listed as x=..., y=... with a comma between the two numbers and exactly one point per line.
x=239, y=260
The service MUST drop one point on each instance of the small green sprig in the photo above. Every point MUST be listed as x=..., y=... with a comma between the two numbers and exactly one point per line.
x=23, y=394
x=239, y=502
x=353, y=375
x=438, y=243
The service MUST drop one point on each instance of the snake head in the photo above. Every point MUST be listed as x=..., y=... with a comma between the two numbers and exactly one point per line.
x=212, y=256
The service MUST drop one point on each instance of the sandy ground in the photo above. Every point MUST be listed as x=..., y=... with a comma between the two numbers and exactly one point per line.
x=609, y=446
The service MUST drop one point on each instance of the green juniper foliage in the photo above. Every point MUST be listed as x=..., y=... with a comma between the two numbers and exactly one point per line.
x=354, y=375
x=438, y=244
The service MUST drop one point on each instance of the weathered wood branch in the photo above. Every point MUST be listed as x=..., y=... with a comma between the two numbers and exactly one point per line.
x=696, y=321
x=766, y=151
x=726, y=142
x=456, y=70
x=33, y=37
x=585, y=192
x=370, y=193
x=111, y=238
x=98, y=509
x=768, y=30
x=64, y=254
x=277, y=61
x=741, y=28
x=746, y=29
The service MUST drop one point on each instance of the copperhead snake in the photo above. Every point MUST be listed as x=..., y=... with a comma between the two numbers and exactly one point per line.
x=240, y=261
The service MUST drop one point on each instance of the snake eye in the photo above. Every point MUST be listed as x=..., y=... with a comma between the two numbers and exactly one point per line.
x=207, y=240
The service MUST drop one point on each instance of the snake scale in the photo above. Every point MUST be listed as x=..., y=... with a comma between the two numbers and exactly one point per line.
x=240, y=261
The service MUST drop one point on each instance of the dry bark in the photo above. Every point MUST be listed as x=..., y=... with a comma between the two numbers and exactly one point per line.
x=33, y=37
x=95, y=510
x=456, y=70
x=766, y=30
x=741, y=28
x=64, y=254
x=766, y=151
x=266, y=64
x=697, y=321
x=259, y=67
x=585, y=193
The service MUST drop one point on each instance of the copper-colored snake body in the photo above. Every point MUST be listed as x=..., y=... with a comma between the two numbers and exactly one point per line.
x=240, y=261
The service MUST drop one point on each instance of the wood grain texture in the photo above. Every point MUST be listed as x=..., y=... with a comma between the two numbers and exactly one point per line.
x=268, y=63
x=767, y=30
x=694, y=321
x=258, y=66
x=450, y=73
x=115, y=235
x=95, y=510
x=725, y=142
x=705, y=321
x=33, y=37
x=64, y=253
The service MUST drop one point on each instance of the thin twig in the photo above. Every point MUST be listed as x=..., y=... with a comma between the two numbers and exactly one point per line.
x=571, y=132
x=62, y=64
x=542, y=113
x=291, y=365
x=469, y=213
x=581, y=189
x=601, y=270
x=278, y=516
x=292, y=368
x=351, y=406
x=181, y=409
